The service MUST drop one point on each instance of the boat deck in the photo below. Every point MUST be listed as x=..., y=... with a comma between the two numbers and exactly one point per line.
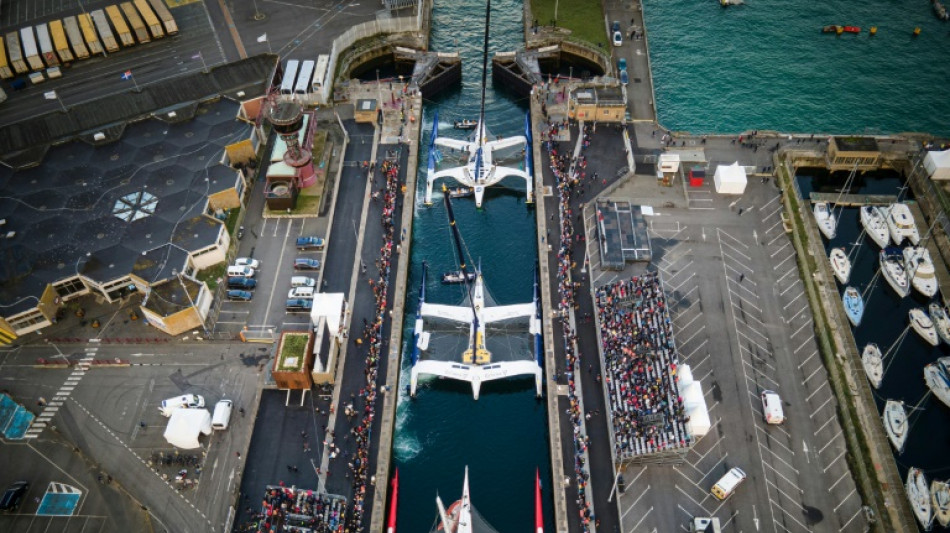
x=853, y=200
x=942, y=272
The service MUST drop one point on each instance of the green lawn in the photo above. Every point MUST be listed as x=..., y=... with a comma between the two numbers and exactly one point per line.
x=291, y=357
x=583, y=17
x=211, y=275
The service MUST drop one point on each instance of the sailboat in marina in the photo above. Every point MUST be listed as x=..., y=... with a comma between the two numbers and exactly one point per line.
x=895, y=424
x=937, y=378
x=940, y=498
x=941, y=321
x=826, y=220
x=923, y=325
x=872, y=219
x=919, y=495
x=853, y=305
x=901, y=225
x=873, y=364
x=891, y=261
x=840, y=264
x=920, y=267
x=461, y=516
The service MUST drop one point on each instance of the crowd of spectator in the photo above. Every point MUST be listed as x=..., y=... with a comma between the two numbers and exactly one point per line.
x=647, y=413
x=293, y=510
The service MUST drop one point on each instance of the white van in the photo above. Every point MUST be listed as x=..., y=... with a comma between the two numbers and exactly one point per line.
x=772, y=407
x=301, y=292
x=222, y=415
x=236, y=271
x=727, y=484
x=187, y=401
x=302, y=281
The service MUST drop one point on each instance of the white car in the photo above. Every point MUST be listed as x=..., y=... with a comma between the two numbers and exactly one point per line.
x=247, y=262
x=618, y=38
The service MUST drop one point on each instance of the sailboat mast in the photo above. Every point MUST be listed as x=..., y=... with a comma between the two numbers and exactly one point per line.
x=480, y=133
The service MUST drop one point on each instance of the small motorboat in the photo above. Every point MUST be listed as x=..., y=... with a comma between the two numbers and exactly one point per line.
x=937, y=378
x=826, y=220
x=851, y=29
x=892, y=266
x=939, y=11
x=923, y=325
x=941, y=321
x=919, y=495
x=460, y=192
x=466, y=124
x=873, y=221
x=727, y=3
x=840, y=264
x=920, y=267
x=895, y=423
x=853, y=305
x=901, y=225
x=832, y=29
x=940, y=498
x=873, y=364
x=458, y=277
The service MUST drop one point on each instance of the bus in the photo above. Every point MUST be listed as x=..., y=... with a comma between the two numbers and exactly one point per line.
x=135, y=21
x=5, y=71
x=102, y=26
x=161, y=11
x=75, y=37
x=303, y=78
x=121, y=28
x=46, y=45
x=320, y=74
x=16, y=54
x=60, y=42
x=89, y=33
x=30, y=51
x=151, y=21
x=290, y=75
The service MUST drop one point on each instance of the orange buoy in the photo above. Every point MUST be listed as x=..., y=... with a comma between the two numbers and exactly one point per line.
x=916, y=31
x=873, y=30
x=839, y=29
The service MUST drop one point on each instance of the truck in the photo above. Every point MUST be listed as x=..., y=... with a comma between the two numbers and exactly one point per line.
x=60, y=42
x=121, y=28
x=16, y=54
x=135, y=21
x=5, y=71
x=89, y=33
x=163, y=14
x=105, y=32
x=46, y=45
x=151, y=21
x=75, y=37
x=31, y=52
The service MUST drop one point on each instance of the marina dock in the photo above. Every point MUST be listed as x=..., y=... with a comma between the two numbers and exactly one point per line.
x=852, y=200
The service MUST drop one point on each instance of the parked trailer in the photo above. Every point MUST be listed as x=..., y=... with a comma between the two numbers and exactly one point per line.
x=46, y=45
x=89, y=33
x=105, y=32
x=151, y=21
x=290, y=76
x=5, y=71
x=163, y=14
x=121, y=28
x=60, y=42
x=302, y=86
x=135, y=21
x=16, y=53
x=31, y=52
x=75, y=37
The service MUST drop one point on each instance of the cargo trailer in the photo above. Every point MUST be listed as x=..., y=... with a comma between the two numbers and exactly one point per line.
x=89, y=33
x=135, y=22
x=105, y=32
x=5, y=71
x=121, y=28
x=60, y=42
x=75, y=37
x=164, y=15
x=151, y=21
x=31, y=52
x=46, y=45
x=16, y=53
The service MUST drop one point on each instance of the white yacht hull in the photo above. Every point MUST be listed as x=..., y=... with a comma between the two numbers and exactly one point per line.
x=895, y=424
x=840, y=264
x=873, y=364
x=895, y=275
x=923, y=326
x=940, y=498
x=826, y=220
x=901, y=225
x=919, y=495
x=938, y=381
x=941, y=321
x=920, y=268
x=873, y=222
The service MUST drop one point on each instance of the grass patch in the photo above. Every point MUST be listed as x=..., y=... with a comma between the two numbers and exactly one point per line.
x=292, y=351
x=212, y=274
x=231, y=222
x=319, y=145
x=583, y=17
x=306, y=205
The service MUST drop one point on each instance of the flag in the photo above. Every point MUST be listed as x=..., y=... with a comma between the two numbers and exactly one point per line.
x=262, y=38
x=50, y=95
x=127, y=75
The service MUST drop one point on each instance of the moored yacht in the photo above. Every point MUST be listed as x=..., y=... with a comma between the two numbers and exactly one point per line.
x=853, y=305
x=919, y=495
x=923, y=325
x=920, y=268
x=941, y=321
x=892, y=267
x=901, y=225
x=940, y=497
x=826, y=220
x=895, y=423
x=873, y=364
x=937, y=377
x=840, y=264
x=873, y=221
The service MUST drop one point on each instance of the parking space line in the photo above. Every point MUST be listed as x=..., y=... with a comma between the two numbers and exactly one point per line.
x=779, y=250
x=746, y=363
x=833, y=461
x=691, y=337
x=787, y=495
x=776, y=441
x=758, y=359
x=689, y=480
x=721, y=232
x=736, y=261
x=790, y=287
x=749, y=339
x=736, y=250
x=802, y=345
x=855, y=515
x=780, y=235
x=776, y=522
x=677, y=487
x=845, y=498
x=797, y=296
x=685, y=296
x=844, y=474
x=634, y=504
x=782, y=262
x=790, y=271
x=809, y=399
x=832, y=439
x=817, y=369
x=688, y=324
x=789, y=465
x=803, y=326
x=747, y=302
x=671, y=260
x=642, y=518
x=820, y=406
x=676, y=287
x=789, y=481
x=697, y=349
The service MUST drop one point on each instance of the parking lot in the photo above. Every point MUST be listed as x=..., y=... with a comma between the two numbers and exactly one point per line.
x=732, y=273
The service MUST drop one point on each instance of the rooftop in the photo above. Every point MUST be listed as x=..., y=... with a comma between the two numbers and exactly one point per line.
x=856, y=144
x=173, y=295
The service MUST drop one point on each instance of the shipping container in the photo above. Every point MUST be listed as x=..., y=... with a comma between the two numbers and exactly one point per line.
x=31, y=52
x=89, y=33
x=290, y=75
x=60, y=42
x=5, y=71
x=16, y=54
x=121, y=28
x=163, y=14
x=320, y=73
x=105, y=32
x=75, y=37
x=135, y=21
x=302, y=86
x=151, y=21
x=46, y=45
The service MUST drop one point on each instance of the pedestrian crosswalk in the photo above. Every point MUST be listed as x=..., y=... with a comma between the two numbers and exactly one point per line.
x=52, y=407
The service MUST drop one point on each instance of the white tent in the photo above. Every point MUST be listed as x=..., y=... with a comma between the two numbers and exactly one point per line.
x=331, y=306
x=695, y=404
x=684, y=376
x=938, y=165
x=730, y=179
x=185, y=426
x=699, y=423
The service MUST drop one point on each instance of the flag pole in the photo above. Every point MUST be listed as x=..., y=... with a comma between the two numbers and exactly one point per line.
x=203, y=64
x=135, y=83
x=58, y=99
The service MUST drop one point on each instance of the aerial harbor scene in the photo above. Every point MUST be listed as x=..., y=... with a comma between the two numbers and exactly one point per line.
x=474, y=266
